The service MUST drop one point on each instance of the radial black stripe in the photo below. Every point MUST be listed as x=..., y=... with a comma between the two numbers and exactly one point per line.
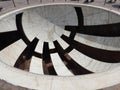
x=7, y=38
x=47, y=63
x=20, y=28
x=71, y=64
x=80, y=18
x=36, y=54
x=95, y=53
x=108, y=30
x=26, y=55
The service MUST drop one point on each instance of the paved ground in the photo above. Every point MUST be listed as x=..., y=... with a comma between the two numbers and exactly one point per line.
x=9, y=5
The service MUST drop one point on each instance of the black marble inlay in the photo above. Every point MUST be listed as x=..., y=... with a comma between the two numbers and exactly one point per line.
x=92, y=52
x=36, y=54
x=108, y=30
x=79, y=16
x=70, y=63
x=7, y=38
x=26, y=54
x=20, y=28
x=47, y=61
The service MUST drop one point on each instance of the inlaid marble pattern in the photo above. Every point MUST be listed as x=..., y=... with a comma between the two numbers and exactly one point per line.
x=34, y=38
x=49, y=24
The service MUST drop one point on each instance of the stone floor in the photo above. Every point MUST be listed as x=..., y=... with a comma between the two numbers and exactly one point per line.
x=6, y=86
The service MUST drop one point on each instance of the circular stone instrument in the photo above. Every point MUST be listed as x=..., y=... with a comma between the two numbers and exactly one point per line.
x=65, y=46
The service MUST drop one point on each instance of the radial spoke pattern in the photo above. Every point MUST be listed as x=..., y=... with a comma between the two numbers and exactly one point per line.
x=70, y=63
x=24, y=59
x=47, y=60
x=107, y=56
x=64, y=56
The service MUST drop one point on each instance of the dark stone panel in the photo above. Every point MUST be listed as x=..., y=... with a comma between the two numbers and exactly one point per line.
x=45, y=68
x=95, y=53
x=20, y=28
x=24, y=59
x=46, y=54
x=48, y=66
x=107, y=30
x=68, y=49
x=72, y=34
x=52, y=51
x=36, y=54
x=80, y=21
x=69, y=62
x=79, y=16
x=7, y=38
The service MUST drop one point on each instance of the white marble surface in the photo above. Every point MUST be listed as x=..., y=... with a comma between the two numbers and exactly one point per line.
x=111, y=43
x=113, y=18
x=39, y=47
x=59, y=66
x=47, y=25
x=60, y=15
x=10, y=54
x=62, y=43
x=97, y=66
x=91, y=64
x=96, y=17
x=36, y=65
x=51, y=45
x=80, y=58
x=67, y=33
x=36, y=26
x=8, y=24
